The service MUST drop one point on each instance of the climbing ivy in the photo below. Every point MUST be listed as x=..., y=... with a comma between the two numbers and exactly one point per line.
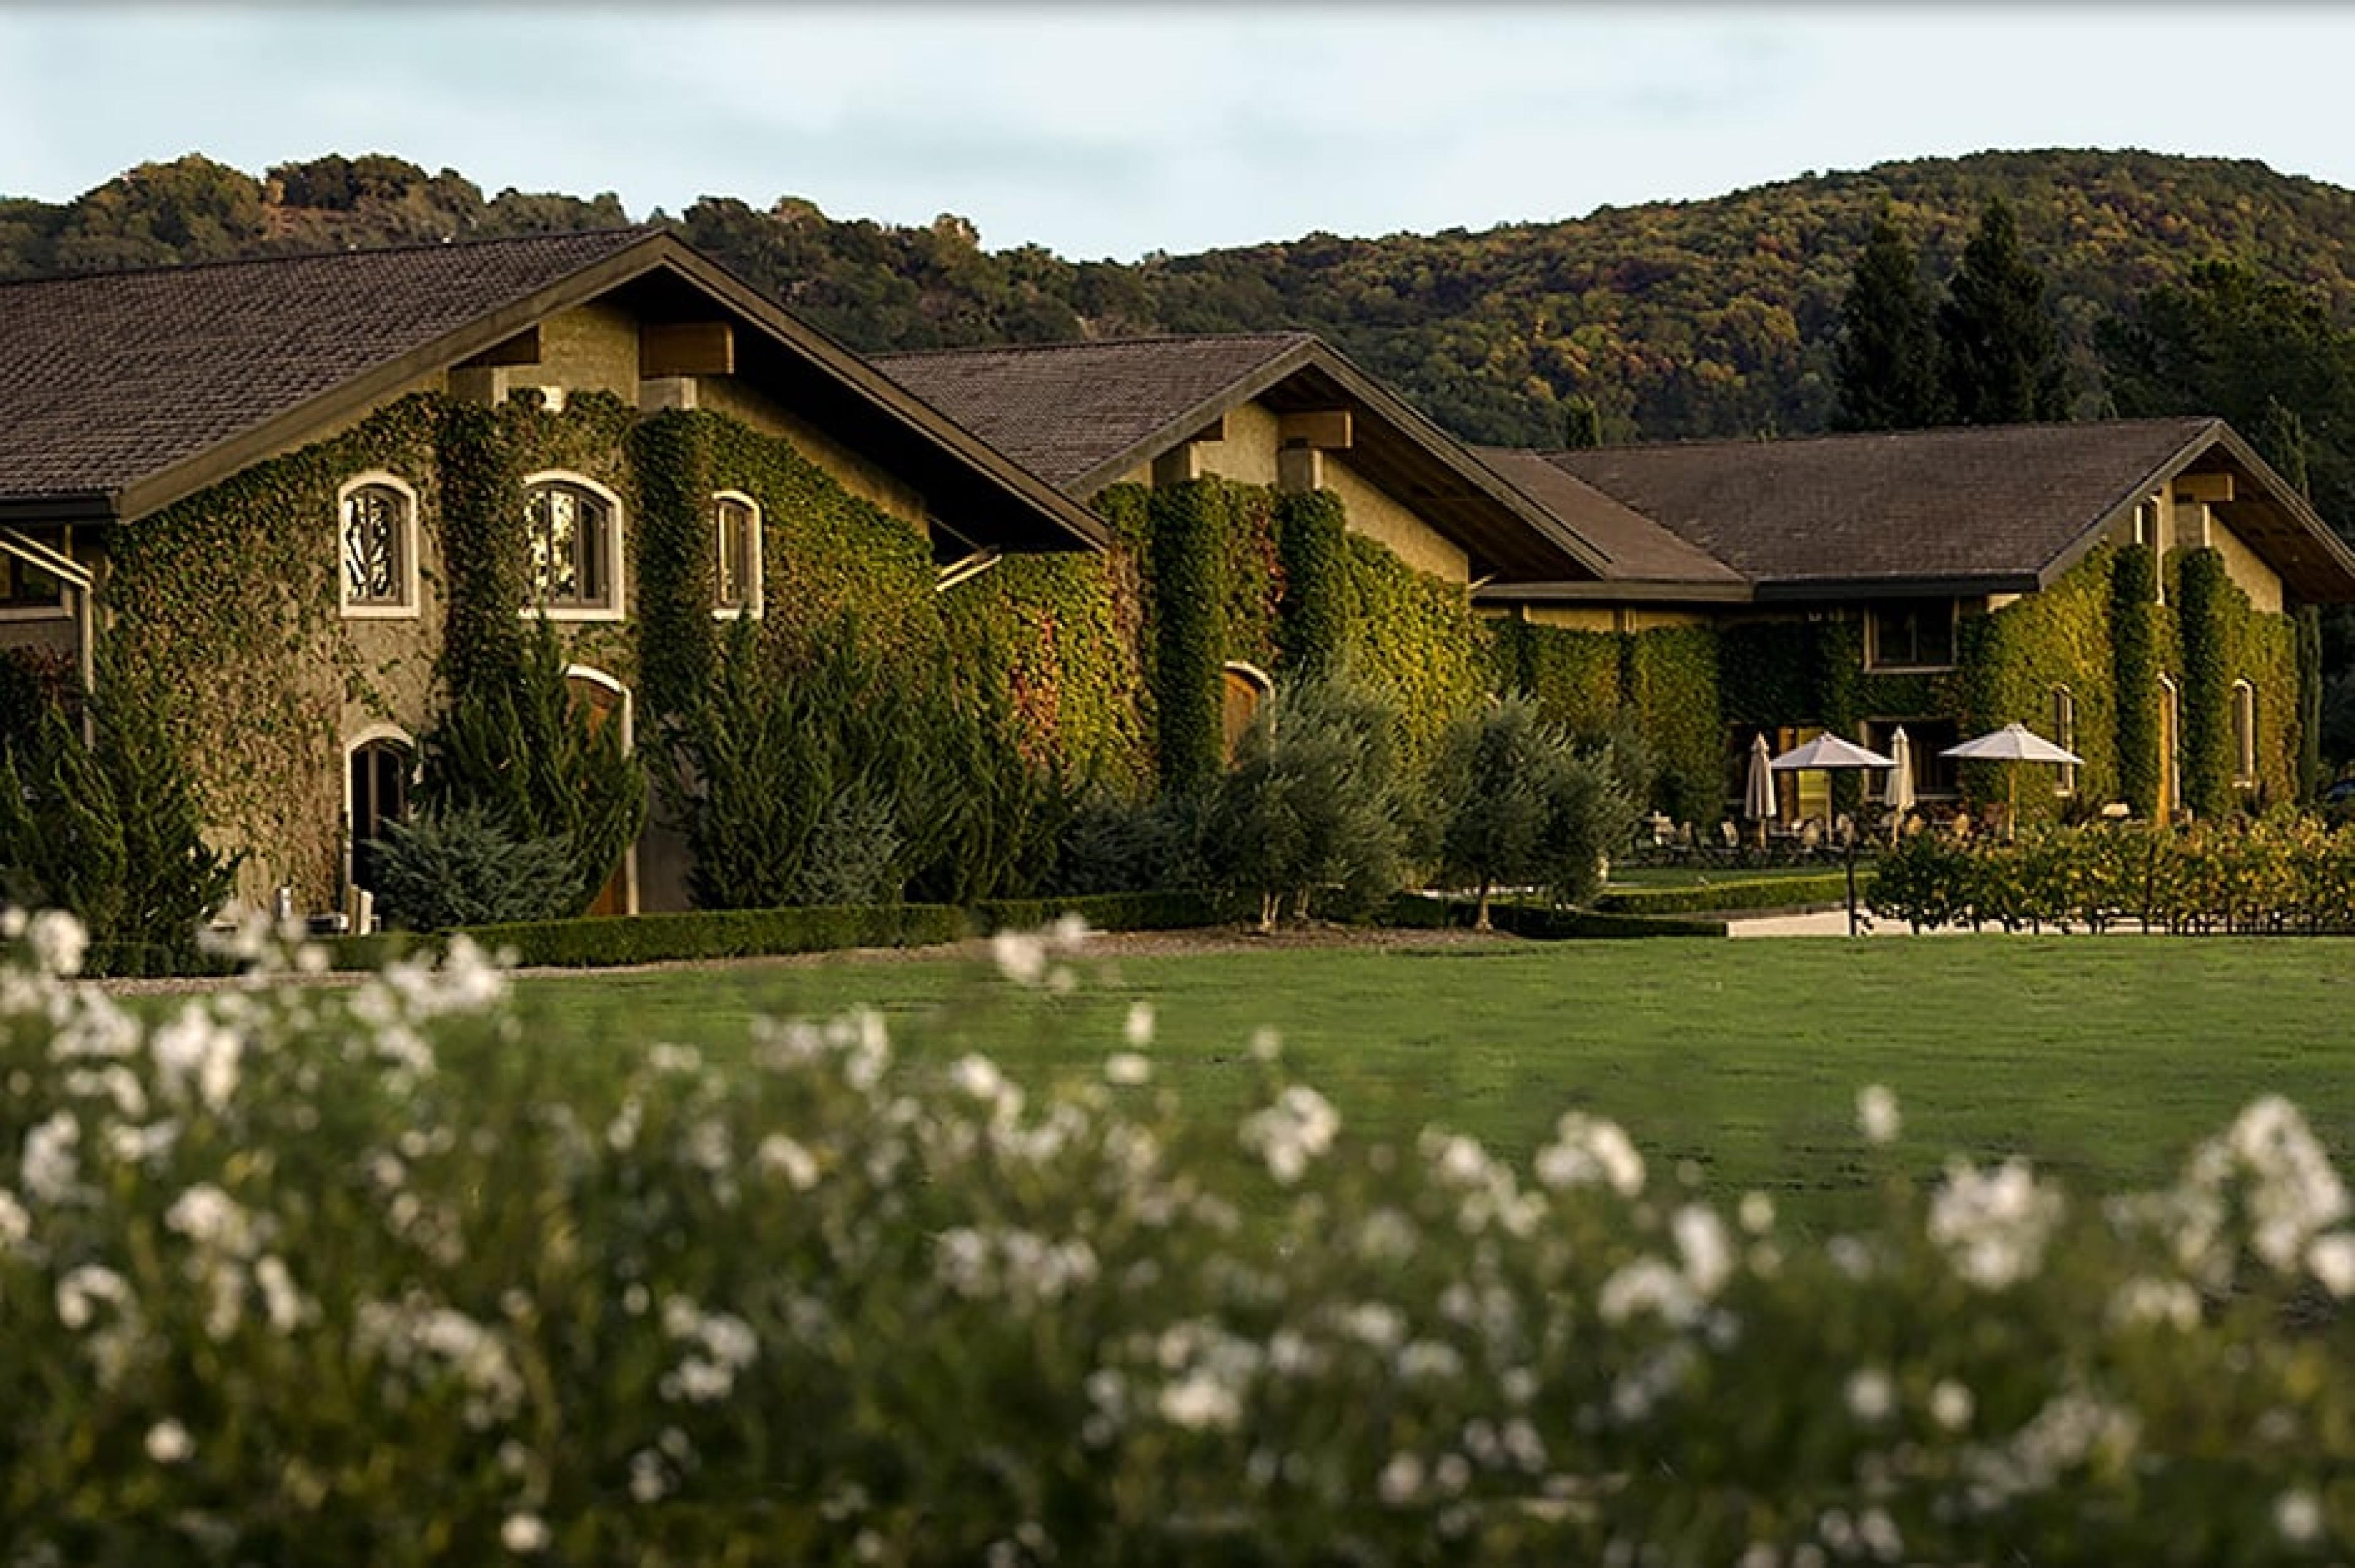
x=2203, y=634
x=1312, y=536
x=2133, y=675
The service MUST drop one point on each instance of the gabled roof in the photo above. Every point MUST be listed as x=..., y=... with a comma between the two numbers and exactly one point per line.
x=1974, y=509
x=1645, y=560
x=1085, y=414
x=121, y=392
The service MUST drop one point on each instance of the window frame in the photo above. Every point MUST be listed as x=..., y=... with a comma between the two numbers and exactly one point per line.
x=408, y=607
x=2244, y=734
x=390, y=736
x=611, y=605
x=2064, y=735
x=754, y=602
x=1874, y=660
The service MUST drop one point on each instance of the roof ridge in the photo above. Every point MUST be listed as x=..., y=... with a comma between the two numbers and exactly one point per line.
x=214, y=263
x=1281, y=335
x=1828, y=437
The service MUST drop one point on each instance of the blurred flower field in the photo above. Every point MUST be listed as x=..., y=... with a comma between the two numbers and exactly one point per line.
x=400, y=1274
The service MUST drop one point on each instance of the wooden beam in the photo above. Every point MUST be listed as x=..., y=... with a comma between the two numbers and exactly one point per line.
x=2208, y=487
x=686, y=348
x=1325, y=430
x=523, y=348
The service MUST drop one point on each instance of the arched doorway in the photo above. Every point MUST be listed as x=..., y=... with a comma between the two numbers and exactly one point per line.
x=607, y=701
x=378, y=769
x=1242, y=689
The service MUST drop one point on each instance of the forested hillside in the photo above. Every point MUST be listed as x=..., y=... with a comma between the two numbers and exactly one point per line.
x=1693, y=318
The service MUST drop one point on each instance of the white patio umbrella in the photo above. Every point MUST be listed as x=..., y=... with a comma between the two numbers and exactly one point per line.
x=2012, y=744
x=1900, y=798
x=1831, y=754
x=1758, y=787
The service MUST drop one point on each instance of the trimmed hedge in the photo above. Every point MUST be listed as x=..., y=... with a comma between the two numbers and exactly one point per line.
x=143, y=960
x=607, y=941
x=1749, y=893
x=1537, y=922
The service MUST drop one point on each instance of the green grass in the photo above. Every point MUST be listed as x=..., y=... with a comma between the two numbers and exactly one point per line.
x=2103, y=1058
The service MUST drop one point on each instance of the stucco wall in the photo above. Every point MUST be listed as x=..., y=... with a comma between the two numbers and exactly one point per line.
x=591, y=349
x=2252, y=576
x=737, y=397
x=1375, y=514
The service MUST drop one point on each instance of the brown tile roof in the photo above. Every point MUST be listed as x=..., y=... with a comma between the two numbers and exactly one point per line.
x=1976, y=504
x=106, y=378
x=1066, y=410
x=1639, y=549
x=1085, y=415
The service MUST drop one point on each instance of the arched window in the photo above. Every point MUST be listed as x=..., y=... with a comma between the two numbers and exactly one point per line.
x=1242, y=690
x=377, y=517
x=2244, y=734
x=736, y=554
x=2064, y=735
x=378, y=768
x=2170, y=742
x=574, y=544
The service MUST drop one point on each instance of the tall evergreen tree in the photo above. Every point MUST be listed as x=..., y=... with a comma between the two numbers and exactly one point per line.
x=1888, y=363
x=2002, y=351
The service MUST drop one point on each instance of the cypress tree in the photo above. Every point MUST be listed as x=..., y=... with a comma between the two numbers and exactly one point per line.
x=2002, y=353
x=1886, y=362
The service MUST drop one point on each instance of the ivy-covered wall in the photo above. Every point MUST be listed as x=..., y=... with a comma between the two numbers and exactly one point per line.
x=2011, y=662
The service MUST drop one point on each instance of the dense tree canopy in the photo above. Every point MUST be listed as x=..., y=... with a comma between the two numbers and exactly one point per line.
x=1890, y=369
x=1996, y=333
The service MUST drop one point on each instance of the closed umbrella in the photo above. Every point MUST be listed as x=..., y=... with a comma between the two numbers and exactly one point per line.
x=1758, y=788
x=1829, y=753
x=1900, y=798
x=2012, y=744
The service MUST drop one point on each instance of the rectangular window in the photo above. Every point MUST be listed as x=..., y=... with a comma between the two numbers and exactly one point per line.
x=24, y=586
x=2064, y=735
x=2244, y=734
x=736, y=538
x=1934, y=777
x=1910, y=634
x=570, y=530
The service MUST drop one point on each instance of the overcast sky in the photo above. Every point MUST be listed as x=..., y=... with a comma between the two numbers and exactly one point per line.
x=1120, y=129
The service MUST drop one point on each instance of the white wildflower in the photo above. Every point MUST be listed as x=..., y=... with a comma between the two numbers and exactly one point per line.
x=649, y=1480
x=1951, y=1404
x=978, y=1077
x=1300, y=1126
x=681, y=1061
x=1870, y=1396
x=2297, y=1515
x=1201, y=1401
x=1878, y=1533
x=1587, y=1150
x=1128, y=1069
x=1431, y=1360
x=1021, y=957
x=50, y=1167
x=82, y=1288
x=1138, y=1031
x=168, y=1443
x=1701, y=1240
x=782, y=1156
x=16, y=1224
x=1266, y=1044
x=1993, y=1224
x=2146, y=1301
x=523, y=1535
x=1402, y=1479
x=281, y=1302
x=212, y=1220
x=1647, y=1284
x=1876, y=1113
x=58, y=942
x=1757, y=1213
x=2331, y=1260
x=1374, y=1323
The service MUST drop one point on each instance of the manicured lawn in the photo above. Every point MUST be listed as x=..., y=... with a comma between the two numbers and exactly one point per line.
x=2101, y=1058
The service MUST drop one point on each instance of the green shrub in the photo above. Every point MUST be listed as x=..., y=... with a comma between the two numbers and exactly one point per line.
x=460, y=866
x=173, y=881
x=1316, y=806
x=524, y=752
x=1742, y=893
x=60, y=830
x=1521, y=806
x=1114, y=843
